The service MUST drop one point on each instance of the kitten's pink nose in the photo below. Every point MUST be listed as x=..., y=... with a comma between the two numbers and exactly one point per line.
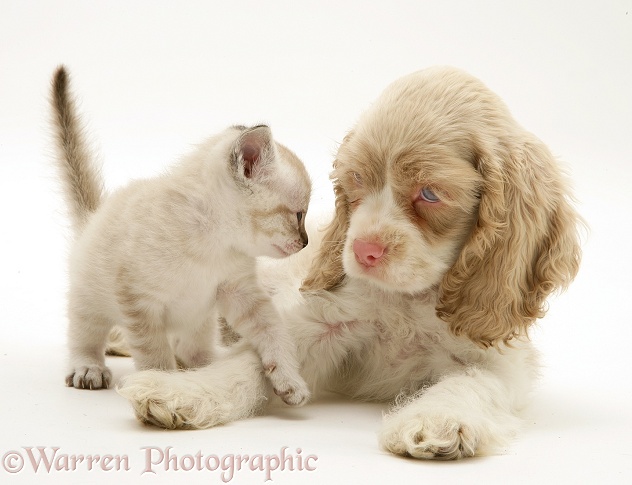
x=367, y=253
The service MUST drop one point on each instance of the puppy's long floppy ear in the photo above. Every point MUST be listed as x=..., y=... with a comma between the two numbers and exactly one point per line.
x=524, y=246
x=326, y=271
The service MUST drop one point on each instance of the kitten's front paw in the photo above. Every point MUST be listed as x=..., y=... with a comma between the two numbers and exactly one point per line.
x=429, y=437
x=90, y=377
x=288, y=385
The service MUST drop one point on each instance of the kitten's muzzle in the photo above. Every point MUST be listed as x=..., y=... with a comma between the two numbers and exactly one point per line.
x=304, y=239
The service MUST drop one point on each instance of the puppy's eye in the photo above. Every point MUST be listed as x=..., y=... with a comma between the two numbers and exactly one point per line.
x=299, y=216
x=427, y=195
x=357, y=178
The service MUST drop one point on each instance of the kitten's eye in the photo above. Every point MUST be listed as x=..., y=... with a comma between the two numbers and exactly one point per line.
x=427, y=195
x=299, y=216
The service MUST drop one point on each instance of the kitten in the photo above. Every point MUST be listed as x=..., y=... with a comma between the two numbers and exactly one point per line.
x=162, y=256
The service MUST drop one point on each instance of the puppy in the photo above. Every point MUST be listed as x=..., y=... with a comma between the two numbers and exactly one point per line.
x=452, y=225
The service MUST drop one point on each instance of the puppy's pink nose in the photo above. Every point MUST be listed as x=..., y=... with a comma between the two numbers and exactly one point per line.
x=367, y=253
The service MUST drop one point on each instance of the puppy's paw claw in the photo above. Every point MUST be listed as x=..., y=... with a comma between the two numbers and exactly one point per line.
x=430, y=438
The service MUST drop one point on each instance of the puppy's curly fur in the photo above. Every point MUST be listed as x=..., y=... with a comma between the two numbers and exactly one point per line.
x=452, y=225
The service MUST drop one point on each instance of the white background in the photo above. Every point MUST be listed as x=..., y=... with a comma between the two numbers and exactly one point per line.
x=156, y=77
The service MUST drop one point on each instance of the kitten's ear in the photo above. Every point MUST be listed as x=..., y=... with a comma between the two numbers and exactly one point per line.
x=253, y=150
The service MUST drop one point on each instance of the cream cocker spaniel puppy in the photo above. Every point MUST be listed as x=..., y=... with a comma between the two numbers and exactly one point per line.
x=452, y=225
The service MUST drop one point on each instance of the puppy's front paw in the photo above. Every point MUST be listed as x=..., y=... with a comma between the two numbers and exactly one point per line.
x=288, y=385
x=89, y=377
x=167, y=400
x=154, y=399
x=429, y=437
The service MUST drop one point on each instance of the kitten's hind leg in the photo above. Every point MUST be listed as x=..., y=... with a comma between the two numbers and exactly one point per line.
x=150, y=346
x=194, y=346
x=87, y=335
x=116, y=344
x=143, y=320
x=147, y=337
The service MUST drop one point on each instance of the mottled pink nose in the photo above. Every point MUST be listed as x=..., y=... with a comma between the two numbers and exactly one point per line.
x=367, y=253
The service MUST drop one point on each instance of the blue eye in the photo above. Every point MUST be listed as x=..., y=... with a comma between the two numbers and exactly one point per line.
x=428, y=195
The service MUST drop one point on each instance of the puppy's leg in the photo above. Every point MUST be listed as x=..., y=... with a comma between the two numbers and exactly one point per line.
x=464, y=414
x=231, y=388
x=87, y=334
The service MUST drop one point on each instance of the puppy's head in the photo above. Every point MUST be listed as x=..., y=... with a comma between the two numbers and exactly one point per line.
x=437, y=188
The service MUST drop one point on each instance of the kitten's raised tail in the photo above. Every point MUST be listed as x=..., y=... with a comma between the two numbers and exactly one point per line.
x=81, y=177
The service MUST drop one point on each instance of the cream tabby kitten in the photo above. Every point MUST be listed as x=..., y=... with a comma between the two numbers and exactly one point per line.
x=162, y=256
